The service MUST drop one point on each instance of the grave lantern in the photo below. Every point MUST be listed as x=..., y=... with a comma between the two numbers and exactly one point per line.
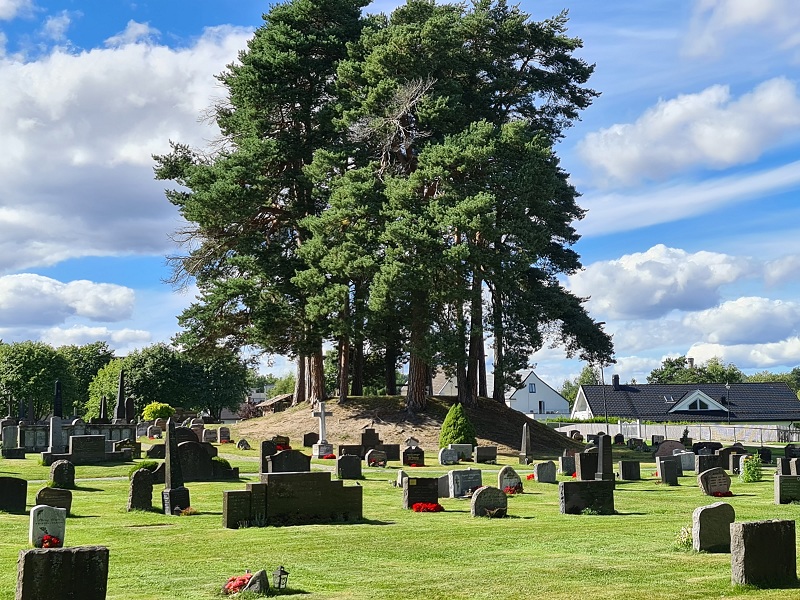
x=279, y=578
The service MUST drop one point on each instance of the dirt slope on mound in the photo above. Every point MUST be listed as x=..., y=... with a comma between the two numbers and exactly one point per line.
x=494, y=423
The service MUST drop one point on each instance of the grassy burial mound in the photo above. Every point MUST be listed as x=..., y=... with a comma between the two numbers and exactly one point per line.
x=495, y=424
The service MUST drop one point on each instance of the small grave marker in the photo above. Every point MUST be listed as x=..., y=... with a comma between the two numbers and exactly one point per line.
x=47, y=521
x=545, y=472
x=489, y=502
x=714, y=481
x=55, y=497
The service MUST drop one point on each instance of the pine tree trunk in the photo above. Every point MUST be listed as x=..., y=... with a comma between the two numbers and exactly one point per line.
x=357, y=367
x=482, y=389
x=499, y=391
x=475, y=341
x=418, y=373
x=317, y=376
x=300, y=381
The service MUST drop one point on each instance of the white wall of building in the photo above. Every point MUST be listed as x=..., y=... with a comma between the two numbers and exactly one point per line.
x=537, y=399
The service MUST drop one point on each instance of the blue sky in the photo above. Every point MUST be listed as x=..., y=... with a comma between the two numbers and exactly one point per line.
x=688, y=164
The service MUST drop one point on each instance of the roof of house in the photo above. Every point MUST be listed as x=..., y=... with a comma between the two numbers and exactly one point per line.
x=653, y=402
x=275, y=400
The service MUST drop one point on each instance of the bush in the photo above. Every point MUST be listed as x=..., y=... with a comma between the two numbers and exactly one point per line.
x=157, y=410
x=751, y=470
x=457, y=428
x=221, y=461
x=150, y=465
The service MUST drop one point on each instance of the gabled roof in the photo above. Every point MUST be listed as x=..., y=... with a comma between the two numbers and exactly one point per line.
x=669, y=402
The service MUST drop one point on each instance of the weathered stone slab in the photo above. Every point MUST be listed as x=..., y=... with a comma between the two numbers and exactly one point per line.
x=545, y=472
x=508, y=477
x=62, y=474
x=630, y=470
x=686, y=458
x=577, y=496
x=348, y=467
x=786, y=488
x=586, y=466
x=668, y=471
x=485, y=454
x=448, y=456
x=464, y=450
x=566, y=465
x=667, y=447
x=714, y=481
x=376, y=458
x=140, y=492
x=489, y=502
x=80, y=572
x=711, y=527
x=463, y=481
x=704, y=462
x=288, y=461
x=763, y=553
x=236, y=508
x=56, y=497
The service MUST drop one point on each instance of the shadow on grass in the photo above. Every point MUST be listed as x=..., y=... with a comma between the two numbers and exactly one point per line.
x=74, y=516
x=630, y=514
x=79, y=488
x=372, y=522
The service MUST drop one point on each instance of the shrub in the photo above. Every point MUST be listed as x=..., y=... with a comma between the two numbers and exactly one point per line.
x=457, y=428
x=157, y=410
x=683, y=539
x=751, y=470
x=150, y=465
x=224, y=462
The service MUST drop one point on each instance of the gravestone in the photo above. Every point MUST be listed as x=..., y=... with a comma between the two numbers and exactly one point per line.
x=13, y=494
x=224, y=435
x=764, y=554
x=630, y=470
x=765, y=454
x=463, y=481
x=667, y=447
x=704, y=462
x=243, y=444
x=655, y=440
x=56, y=436
x=448, y=456
x=236, y=508
x=586, y=465
x=686, y=458
x=786, y=488
x=140, y=493
x=175, y=495
x=268, y=448
x=489, y=502
x=414, y=456
x=665, y=459
x=135, y=447
x=507, y=477
x=198, y=431
x=566, y=465
x=258, y=500
x=545, y=472
x=714, y=481
x=485, y=454
x=156, y=451
x=160, y=423
x=309, y=439
x=577, y=496
x=62, y=474
x=619, y=439
x=184, y=434
x=322, y=447
x=349, y=449
x=793, y=465
x=87, y=449
x=725, y=454
x=668, y=469
x=791, y=451
x=210, y=436
x=444, y=486
x=58, y=402
x=196, y=464
x=154, y=432
x=55, y=497
x=401, y=475
x=392, y=451
x=420, y=489
x=591, y=438
x=525, y=451
x=605, y=466
x=287, y=461
x=376, y=458
x=348, y=467
x=464, y=451
x=80, y=572
x=735, y=462
x=11, y=447
x=369, y=440
x=47, y=520
x=711, y=527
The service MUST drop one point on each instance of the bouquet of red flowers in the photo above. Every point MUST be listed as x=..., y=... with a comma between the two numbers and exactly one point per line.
x=427, y=507
x=236, y=583
x=49, y=541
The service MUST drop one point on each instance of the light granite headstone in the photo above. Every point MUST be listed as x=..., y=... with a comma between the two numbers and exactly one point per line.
x=545, y=472
x=46, y=520
x=714, y=481
x=711, y=527
x=489, y=502
x=507, y=477
x=448, y=456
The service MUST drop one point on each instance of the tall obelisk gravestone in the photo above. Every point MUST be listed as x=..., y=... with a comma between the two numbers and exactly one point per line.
x=175, y=495
x=605, y=464
x=525, y=447
x=119, y=409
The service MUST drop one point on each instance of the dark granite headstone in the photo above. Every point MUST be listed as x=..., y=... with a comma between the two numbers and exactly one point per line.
x=140, y=493
x=420, y=489
x=619, y=439
x=605, y=465
x=791, y=451
x=55, y=497
x=586, y=465
x=62, y=573
x=668, y=469
x=786, y=488
x=566, y=465
x=414, y=456
x=630, y=470
x=704, y=462
x=175, y=495
x=348, y=467
x=392, y=451
x=764, y=554
x=185, y=434
x=577, y=496
x=485, y=454
x=13, y=494
x=288, y=461
x=243, y=444
x=236, y=508
x=714, y=481
x=309, y=439
x=376, y=458
x=62, y=474
x=765, y=454
x=58, y=403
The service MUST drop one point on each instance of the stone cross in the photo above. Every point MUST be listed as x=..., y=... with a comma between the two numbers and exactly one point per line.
x=321, y=414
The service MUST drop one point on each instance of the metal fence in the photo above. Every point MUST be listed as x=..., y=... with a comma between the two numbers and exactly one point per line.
x=753, y=434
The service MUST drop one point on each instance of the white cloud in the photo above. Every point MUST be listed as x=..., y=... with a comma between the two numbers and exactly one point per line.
x=785, y=268
x=55, y=28
x=705, y=130
x=747, y=320
x=80, y=335
x=78, y=131
x=715, y=22
x=784, y=353
x=653, y=283
x=34, y=300
x=10, y=9
x=134, y=33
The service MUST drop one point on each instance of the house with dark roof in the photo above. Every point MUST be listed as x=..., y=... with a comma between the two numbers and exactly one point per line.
x=773, y=403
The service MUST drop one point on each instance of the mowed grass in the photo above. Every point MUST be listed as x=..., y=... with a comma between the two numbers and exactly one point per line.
x=398, y=554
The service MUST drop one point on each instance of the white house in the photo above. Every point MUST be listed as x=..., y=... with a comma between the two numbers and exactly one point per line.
x=537, y=400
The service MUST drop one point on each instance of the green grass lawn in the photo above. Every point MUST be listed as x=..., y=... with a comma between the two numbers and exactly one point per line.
x=397, y=554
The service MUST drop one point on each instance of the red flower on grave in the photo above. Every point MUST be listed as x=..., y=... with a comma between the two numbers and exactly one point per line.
x=427, y=507
x=49, y=541
x=224, y=441
x=530, y=476
x=727, y=494
x=329, y=456
x=510, y=490
x=280, y=447
x=150, y=437
x=575, y=475
x=414, y=465
x=236, y=583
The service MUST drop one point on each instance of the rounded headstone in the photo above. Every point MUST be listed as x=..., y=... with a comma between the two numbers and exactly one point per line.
x=62, y=474
x=711, y=527
x=508, y=477
x=55, y=497
x=258, y=584
x=545, y=472
x=489, y=502
x=714, y=481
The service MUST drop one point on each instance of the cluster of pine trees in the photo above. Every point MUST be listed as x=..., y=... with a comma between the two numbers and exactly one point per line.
x=388, y=184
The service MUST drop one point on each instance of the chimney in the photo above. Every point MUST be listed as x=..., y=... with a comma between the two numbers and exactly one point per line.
x=690, y=362
x=615, y=382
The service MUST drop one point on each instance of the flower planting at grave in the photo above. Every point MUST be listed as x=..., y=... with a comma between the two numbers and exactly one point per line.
x=511, y=490
x=280, y=447
x=413, y=465
x=727, y=494
x=49, y=541
x=427, y=507
x=236, y=583
x=530, y=477
x=329, y=456
x=751, y=470
x=188, y=512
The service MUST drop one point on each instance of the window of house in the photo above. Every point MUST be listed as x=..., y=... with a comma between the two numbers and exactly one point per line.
x=541, y=407
x=698, y=405
x=531, y=388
